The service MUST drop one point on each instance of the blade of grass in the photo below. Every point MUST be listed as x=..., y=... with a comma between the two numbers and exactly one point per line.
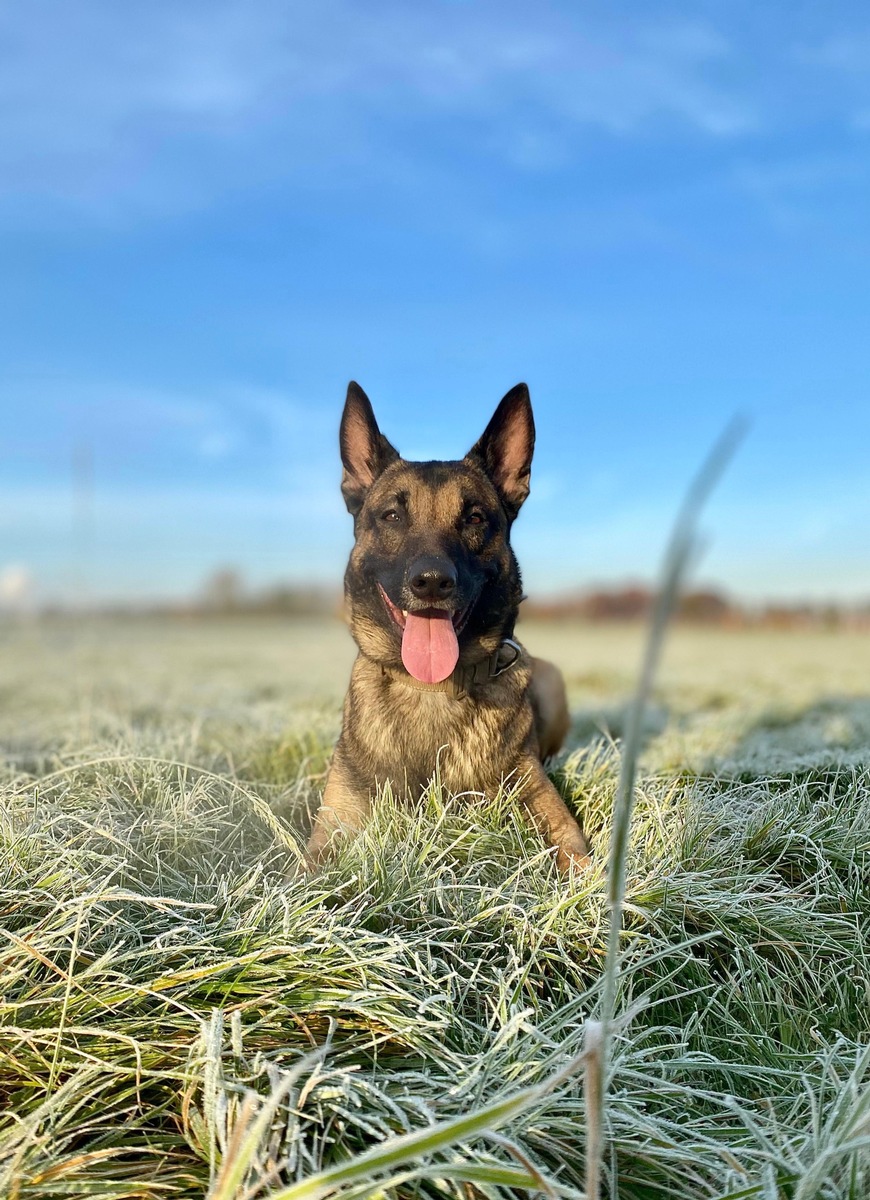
x=410, y=1146
x=682, y=543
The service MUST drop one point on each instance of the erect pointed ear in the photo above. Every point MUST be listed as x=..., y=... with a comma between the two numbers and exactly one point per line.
x=365, y=452
x=505, y=450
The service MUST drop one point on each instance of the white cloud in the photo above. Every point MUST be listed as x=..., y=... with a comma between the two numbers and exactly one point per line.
x=838, y=67
x=789, y=189
x=16, y=587
x=842, y=52
x=154, y=107
x=126, y=421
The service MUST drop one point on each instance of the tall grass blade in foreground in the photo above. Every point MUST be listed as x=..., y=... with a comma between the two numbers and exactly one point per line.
x=241, y=1130
x=680, y=549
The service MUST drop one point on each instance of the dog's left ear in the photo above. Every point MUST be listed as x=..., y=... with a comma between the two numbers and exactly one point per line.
x=505, y=450
x=365, y=452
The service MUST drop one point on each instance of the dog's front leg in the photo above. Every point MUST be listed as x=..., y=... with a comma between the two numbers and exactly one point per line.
x=342, y=813
x=552, y=818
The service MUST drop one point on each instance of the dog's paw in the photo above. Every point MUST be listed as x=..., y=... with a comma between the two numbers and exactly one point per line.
x=573, y=855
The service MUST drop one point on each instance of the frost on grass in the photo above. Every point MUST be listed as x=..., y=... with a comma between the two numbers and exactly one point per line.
x=182, y=1013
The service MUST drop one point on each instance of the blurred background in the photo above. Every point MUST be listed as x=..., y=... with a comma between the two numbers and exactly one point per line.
x=212, y=215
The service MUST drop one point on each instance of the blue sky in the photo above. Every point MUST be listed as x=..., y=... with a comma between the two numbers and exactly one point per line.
x=212, y=215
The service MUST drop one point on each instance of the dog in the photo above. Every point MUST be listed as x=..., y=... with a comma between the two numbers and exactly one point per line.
x=432, y=591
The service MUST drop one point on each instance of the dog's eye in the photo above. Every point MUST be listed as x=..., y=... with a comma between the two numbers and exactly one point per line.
x=392, y=514
x=474, y=518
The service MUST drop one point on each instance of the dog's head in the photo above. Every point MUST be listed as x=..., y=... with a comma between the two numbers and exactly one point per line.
x=432, y=575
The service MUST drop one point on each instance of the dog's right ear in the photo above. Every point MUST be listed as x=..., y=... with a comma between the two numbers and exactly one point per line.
x=506, y=447
x=365, y=452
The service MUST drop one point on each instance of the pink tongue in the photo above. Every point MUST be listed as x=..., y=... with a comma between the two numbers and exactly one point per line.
x=430, y=650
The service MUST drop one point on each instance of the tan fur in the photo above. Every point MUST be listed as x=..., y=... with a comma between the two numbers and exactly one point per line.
x=550, y=705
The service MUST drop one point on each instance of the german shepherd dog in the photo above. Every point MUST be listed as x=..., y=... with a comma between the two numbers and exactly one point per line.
x=432, y=590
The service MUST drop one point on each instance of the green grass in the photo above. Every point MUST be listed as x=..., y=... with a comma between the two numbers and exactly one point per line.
x=182, y=1014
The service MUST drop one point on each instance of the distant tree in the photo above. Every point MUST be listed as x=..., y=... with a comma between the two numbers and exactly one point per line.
x=223, y=590
x=623, y=604
x=706, y=607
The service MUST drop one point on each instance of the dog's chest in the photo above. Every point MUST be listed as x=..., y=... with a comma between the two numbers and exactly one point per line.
x=472, y=744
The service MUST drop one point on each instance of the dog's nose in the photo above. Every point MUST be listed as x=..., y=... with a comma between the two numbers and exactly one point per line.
x=432, y=579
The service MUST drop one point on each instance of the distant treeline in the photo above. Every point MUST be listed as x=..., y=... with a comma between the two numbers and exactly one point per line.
x=703, y=606
x=224, y=594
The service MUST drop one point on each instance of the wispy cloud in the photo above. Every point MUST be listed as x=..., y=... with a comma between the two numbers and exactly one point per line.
x=842, y=51
x=836, y=66
x=151, y=538
x=135, y=432
x=791, y=190
x=153, y=107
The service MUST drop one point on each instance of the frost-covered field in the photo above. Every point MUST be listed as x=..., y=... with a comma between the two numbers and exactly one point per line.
x=181, y=1011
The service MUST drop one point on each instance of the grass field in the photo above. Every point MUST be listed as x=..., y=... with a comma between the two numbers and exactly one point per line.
x=183, y=1014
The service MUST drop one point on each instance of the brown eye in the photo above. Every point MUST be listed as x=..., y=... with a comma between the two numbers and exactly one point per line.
x=474, y=518
x=390, y=515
